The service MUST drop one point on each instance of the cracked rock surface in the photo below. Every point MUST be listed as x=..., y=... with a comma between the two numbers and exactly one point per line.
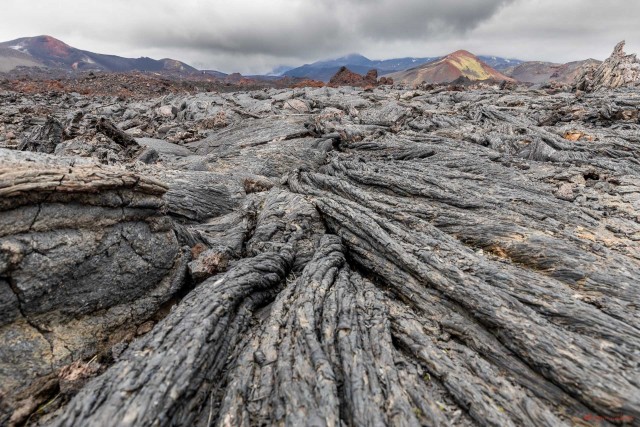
x=369, y=257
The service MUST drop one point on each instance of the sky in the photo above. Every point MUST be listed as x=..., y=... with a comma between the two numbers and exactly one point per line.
x=257, y=36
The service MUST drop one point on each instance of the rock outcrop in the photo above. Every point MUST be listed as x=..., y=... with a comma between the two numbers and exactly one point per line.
x=346, y=77
x=618, y=70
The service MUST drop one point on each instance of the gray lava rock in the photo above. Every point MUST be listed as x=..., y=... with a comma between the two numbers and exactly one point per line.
x=84, y=250
x=450, y=256
x=44, y=138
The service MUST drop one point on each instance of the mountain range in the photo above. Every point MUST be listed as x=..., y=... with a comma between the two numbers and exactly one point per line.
x=49, y=52
x=324, y=70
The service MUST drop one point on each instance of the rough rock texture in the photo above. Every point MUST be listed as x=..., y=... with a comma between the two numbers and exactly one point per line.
x=355, y=257
x=44, y=138
x=84, y=250
x=618, y=70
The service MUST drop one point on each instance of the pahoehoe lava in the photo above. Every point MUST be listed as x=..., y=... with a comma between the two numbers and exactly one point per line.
x=322, y=256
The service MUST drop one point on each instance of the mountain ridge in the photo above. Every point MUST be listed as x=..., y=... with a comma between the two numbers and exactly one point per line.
x=323, y=70
x=47, y=51
x=543, y=72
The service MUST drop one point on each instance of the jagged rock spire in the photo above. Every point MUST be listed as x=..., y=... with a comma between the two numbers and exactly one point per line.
x=618, y=70
x=618, y=51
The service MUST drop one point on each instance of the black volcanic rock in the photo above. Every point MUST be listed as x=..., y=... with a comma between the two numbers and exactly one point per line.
x=84, y=250
x=323, y=256
x=43, y=138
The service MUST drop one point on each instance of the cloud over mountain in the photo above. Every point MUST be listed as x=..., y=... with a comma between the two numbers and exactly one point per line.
x=255, y=36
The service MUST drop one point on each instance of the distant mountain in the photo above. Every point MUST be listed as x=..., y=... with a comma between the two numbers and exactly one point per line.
x=449, y=68
x=543, y=72
x=324, y=70
x=279, y=71
x=49, y=52
x=214, y=73
x=499, y=63
x=11, y=58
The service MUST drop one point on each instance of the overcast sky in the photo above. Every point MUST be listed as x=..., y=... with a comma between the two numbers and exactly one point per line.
x=256, y=36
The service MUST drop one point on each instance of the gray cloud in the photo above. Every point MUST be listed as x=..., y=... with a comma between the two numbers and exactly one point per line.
x=297, y=28
x=409, y=19
x=255, y=36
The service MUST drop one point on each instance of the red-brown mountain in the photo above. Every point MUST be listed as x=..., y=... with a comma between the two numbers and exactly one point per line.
x=449, y=68
x=53, y=53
